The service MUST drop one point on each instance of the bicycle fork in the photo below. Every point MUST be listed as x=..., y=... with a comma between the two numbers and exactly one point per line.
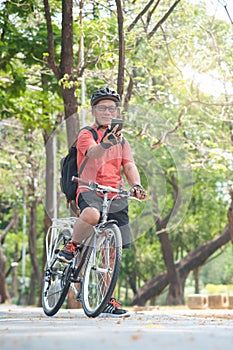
x=99, y=238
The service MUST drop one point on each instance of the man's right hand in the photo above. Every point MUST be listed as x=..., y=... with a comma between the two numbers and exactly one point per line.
x=111, y=138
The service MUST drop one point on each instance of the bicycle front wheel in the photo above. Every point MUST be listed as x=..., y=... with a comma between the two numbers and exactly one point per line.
x=102, y=269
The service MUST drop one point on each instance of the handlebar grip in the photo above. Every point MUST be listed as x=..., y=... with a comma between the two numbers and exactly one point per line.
x=75, y=179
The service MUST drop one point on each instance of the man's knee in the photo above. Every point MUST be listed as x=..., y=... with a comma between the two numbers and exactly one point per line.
x=90, y=215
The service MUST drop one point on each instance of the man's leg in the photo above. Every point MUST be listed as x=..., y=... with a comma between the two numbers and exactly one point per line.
x=83, y=228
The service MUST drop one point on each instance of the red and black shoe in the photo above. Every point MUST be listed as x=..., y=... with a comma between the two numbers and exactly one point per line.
x=68, y=252
x=113, y=309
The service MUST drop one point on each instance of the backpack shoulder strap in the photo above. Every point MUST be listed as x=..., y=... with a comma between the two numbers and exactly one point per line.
x=95, y=136
x=93, y=131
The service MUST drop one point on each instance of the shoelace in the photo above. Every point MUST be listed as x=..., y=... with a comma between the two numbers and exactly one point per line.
x=70, y=247
x=114, y=303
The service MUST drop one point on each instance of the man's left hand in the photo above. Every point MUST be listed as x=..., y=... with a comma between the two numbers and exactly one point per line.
x=139, y=192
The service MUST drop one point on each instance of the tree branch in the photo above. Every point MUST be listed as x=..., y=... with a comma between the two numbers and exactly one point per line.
x=128, y=93
x=5, y=59
x=150, y=13
x=121, y=62
x=132, y=25
x=51, y=63
x=163, y=19
x=164, y=136
x=6, y=230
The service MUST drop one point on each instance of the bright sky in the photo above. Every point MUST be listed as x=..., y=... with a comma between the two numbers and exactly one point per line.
x=211, y=82
x=217, y=8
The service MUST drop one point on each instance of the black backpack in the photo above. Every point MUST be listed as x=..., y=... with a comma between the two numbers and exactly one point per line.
x=69, y=169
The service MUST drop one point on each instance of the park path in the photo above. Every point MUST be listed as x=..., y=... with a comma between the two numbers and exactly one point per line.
x=25, y=328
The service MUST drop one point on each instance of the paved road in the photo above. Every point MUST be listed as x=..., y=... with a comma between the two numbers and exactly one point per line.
x=24, y=328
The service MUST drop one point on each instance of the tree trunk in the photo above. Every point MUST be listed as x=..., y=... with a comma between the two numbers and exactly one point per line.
x=66, y=68
x=175, y=295
x=71, y=115
x=49, y=185
x=14, y=266
x=133, y=281
x=193, y=260
x=4, y=295
x=32, y=290
x=14, y=274
x=35, y=273
x=196, y=280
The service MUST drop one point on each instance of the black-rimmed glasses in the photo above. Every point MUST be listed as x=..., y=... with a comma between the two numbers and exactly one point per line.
x=103, y=108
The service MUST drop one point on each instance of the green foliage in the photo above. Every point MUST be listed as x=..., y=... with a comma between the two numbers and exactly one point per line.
x=23, y=42
x=218, y=269
x=218, y=289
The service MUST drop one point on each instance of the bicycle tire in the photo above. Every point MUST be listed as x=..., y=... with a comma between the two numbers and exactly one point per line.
x=99, y=280
x=56, y=283
x=55, y=289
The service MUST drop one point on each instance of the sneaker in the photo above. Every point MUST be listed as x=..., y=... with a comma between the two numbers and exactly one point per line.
x=113, y=309
x=68, y=252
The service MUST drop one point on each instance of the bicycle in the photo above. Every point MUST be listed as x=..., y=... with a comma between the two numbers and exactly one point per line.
x=96, y=266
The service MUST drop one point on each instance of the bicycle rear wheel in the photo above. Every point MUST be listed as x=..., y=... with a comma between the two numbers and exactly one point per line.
x=55, y=287
x=56, y=281
x=102, y=269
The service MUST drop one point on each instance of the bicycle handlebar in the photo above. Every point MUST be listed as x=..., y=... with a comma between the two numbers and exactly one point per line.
x=94, y=186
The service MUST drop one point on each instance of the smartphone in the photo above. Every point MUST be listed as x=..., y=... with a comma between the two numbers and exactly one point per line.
x=116, y=121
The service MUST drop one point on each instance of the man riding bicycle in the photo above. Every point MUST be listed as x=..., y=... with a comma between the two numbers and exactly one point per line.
x=107, y=157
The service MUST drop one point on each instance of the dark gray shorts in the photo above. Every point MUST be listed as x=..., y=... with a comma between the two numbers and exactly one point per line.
x=118, y=211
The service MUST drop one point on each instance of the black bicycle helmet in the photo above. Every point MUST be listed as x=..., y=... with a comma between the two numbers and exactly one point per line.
x=105, y=94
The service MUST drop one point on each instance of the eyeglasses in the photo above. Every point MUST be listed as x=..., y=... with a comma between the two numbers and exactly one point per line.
x=102, y=108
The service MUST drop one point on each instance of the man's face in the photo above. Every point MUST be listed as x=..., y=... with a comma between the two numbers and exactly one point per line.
x=104, y=111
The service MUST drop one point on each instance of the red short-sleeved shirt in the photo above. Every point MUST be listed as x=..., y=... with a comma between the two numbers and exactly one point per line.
x=106, y=170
